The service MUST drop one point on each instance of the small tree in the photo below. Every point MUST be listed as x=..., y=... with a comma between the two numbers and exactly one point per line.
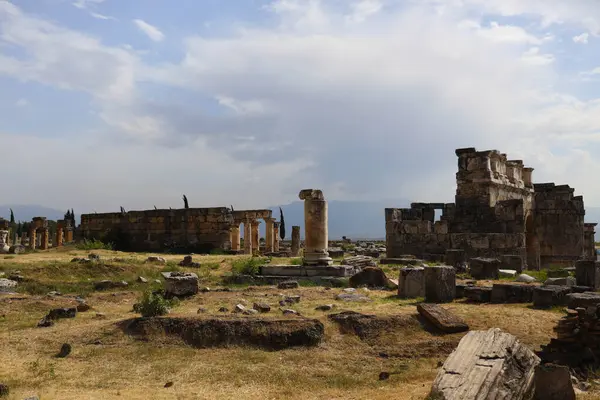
x=282, y=225
x=185, y=202
x=12, y=217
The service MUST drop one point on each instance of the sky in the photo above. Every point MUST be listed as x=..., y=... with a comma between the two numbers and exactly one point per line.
x=109, y=103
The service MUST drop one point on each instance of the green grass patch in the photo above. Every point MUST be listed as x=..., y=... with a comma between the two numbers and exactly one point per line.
x=247, y=265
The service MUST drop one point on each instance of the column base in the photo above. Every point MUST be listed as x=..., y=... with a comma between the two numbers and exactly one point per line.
x=317, y=259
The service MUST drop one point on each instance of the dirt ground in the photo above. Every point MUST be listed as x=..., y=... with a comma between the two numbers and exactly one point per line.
x=106, y=363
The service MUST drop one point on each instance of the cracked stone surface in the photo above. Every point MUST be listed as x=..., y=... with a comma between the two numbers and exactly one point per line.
x=490, y=365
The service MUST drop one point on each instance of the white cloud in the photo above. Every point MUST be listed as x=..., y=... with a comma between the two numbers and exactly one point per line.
x=363, y=9
x=83, y=4
x=503, y=33
x=313, y=101
x=102, y=16
x=583, y=38
x=151, y=31
x=534, y=57
x=22, y=103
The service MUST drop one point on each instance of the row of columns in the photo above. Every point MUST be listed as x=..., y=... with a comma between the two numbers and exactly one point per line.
x=252, y=236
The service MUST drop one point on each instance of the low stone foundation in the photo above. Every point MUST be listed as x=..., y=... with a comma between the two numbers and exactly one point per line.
x=307, y=271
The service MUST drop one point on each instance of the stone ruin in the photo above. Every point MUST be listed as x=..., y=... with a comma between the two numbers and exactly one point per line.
x=498, y=213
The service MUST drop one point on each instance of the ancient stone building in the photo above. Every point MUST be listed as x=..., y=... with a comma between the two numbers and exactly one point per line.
x=498, y=212
x=251, y=220
x=192, y=229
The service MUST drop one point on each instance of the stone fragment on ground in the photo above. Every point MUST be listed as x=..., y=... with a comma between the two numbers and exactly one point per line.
x=512, y=293
x=443, y=319
x=524, y=278
x=188, y=262
x=553, y=382
x=352, y=297
x=487, y=364
x=141, y=279
x=325, y=307
x=156, y=259
x=566, y=281
x=65, y=350
x=262, y=307
x=288, y=285
x=108, y=284
x=359, y=261
x=507, y=273
x=372, y=277
x=7, y=285
x=180, y=284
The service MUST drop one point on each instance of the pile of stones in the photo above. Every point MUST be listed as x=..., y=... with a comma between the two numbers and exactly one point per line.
x=578, y=340
x=359, y=261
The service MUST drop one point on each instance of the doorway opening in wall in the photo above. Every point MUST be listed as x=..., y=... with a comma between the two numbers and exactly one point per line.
x=438, y=215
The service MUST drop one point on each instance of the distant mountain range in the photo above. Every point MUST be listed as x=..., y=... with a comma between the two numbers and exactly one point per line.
x=353, y=219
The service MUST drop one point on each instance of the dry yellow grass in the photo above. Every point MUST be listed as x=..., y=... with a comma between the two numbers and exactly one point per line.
x=108, y=364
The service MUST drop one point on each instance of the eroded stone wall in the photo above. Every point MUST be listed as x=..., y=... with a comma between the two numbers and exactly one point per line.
x=497, y=211
x=202, y=229
x=559, y=225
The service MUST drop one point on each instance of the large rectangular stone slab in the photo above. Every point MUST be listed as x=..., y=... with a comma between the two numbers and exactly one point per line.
x=443, y=319
x=511, y=293
x=550, y=296
x=585, y=299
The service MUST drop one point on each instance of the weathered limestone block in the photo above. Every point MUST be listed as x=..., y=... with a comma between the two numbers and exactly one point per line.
x=587, y=273
x=568, y=281
x=455, y=257
x=512, y=261
x=478, y=294
x=335, y=252
x=443, y=319
x=487, y=365
x=180, y=284
x=550, y=296
x=484, y=268
x=372, y=277
x=295, y=241
x=511, y=293
x=411, y=282
x=440, y=284
x=553, y=382
x=558, y=273
x=585, y=299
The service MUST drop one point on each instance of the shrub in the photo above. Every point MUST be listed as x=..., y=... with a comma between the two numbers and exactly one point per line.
x=247, y=266
x=153, y=305
x=296, y=261
x=94, y=244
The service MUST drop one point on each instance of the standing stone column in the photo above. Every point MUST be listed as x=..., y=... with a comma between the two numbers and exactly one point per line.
x=23, y=239
x=248, y=237
x=295, y=241
x=32, y=239
x=315, y=228
x=255, y=235
x=44, y=239
x=235, y=237
x=276, y=236
x=69, y=235
x=269, y=240
x=59, y=237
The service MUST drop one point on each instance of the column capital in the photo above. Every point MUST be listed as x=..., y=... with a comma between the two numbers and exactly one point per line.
x=276, y=224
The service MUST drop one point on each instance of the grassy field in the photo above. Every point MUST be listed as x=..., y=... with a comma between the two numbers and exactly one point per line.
x=107, y=364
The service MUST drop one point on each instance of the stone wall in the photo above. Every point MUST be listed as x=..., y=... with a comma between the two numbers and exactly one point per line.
x=559, y=226
x=497, y=211
x=199, y=229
